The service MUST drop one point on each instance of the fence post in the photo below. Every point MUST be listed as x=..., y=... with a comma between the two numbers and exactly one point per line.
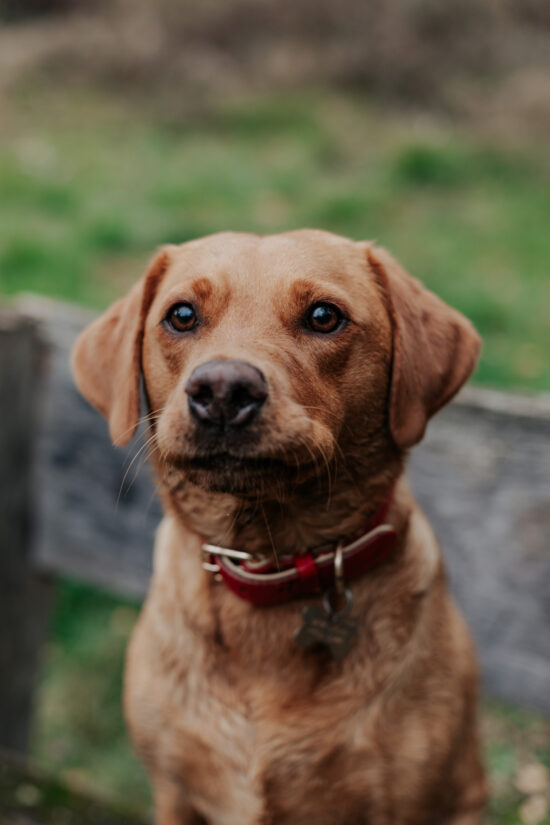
x=24, y=596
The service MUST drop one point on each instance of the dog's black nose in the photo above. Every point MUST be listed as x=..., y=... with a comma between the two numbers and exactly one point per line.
x=226, y=393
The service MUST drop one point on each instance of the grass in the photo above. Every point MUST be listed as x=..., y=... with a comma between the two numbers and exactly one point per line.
x=89, y=186
x=80, y=732
x=84, y=199
x=27, y=797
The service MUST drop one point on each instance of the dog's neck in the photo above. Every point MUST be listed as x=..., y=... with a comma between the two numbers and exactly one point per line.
x=309, y=516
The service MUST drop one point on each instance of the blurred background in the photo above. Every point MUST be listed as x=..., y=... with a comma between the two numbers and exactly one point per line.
x=421, y=124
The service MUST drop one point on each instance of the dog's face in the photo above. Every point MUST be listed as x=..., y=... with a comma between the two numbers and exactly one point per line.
x=264, y=358
x=259, y=351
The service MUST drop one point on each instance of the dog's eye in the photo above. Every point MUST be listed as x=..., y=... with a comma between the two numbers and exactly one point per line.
x=181, y=317
x=323, y=317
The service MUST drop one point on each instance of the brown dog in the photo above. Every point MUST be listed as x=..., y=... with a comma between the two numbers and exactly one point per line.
x=287, y=377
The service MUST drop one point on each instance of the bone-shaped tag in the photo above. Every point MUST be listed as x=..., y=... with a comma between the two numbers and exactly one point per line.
x=335, y=630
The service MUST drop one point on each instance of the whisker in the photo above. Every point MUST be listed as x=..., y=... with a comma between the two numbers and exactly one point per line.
x=336, y=418
x=145, y=458
x=156, y=492
x=329, y=477
x=151, y=416
x=266, y=522
x=133, y=461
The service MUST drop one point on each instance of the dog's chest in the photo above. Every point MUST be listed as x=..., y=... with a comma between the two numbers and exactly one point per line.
x=215, y=755
x=245, y=755
x=254, y=770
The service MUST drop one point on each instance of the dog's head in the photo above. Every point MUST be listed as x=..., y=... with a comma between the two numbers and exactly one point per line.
x=265, y=357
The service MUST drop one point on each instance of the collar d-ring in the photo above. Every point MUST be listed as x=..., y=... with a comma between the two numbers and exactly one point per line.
x=339, y=581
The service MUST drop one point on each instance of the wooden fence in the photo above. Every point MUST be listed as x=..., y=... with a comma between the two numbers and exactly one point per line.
x=482, y=474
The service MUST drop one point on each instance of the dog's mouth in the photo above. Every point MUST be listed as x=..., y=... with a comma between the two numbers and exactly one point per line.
x=220, y=462
x=234, y=473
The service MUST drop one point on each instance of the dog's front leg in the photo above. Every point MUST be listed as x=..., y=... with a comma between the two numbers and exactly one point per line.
x=172, y=806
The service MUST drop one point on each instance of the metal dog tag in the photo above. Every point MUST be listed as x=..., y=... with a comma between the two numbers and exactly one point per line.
x=332, y=628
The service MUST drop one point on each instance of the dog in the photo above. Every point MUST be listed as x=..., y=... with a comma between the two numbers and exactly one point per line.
x=299, y=659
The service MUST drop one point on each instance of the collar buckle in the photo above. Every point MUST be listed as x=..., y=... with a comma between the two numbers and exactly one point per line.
x=321, y=570
x=211, y=550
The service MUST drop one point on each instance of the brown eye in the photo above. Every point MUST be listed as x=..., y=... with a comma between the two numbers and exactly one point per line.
x=181, y=317
x=323, y=317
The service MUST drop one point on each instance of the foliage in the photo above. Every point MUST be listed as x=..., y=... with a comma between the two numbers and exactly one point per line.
x=468, y=56
x=87, y=197
x=80, y=735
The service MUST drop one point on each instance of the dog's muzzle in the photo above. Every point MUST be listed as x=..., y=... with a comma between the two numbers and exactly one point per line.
x=225, y=395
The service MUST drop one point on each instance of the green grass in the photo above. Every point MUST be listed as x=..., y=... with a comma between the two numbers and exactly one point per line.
x=85, y=199
x=89, y=186
x=80, y=732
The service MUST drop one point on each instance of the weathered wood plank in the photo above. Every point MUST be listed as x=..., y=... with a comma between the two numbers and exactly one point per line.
x=482, y=474
x=24, y=597
x=93, y=524
x=483, y=477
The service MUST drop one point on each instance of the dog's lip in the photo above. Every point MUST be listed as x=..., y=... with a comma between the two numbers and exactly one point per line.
x=213, y=460
x=222, y=460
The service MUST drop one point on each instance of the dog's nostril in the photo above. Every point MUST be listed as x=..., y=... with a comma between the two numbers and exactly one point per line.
x=204, y=395
x=241, y=397
x=226, y=393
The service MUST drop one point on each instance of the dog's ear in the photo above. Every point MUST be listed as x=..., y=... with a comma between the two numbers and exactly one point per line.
x=435, y=348
x=106, y=359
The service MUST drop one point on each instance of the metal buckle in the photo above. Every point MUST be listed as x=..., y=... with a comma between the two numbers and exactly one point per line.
x=338, y=594
x=213, y=550
x=210, y=566
x=339, y=582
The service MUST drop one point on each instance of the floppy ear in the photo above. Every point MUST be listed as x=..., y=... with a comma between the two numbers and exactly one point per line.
x=435, y=349
x=106, y=359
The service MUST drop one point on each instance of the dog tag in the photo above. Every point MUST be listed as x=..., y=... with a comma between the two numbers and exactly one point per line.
x=334, y=629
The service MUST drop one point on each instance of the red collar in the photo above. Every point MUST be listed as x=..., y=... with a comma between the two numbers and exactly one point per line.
x=308, y=574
